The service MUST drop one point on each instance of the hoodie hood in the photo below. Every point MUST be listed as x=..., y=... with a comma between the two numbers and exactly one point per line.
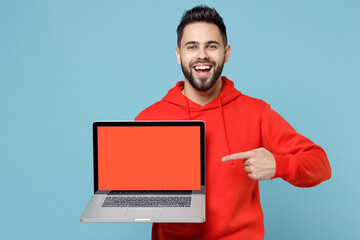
x=227, y=94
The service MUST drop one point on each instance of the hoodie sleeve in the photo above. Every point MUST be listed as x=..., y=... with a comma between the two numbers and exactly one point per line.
x=298, y=160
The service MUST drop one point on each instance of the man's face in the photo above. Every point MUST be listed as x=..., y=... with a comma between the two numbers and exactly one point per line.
x=202, y=55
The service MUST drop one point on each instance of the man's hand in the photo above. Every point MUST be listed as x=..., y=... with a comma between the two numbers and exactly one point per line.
x=259, y=163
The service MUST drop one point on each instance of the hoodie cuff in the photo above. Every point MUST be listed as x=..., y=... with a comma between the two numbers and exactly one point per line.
x=284, y=167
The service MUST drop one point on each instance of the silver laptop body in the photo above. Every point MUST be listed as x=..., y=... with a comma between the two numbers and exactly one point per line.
x=148, y=171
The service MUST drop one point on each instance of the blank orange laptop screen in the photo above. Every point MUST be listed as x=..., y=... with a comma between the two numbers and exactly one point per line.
x=149, y=158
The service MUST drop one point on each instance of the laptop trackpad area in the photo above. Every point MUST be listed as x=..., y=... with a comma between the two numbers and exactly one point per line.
x=144, y=213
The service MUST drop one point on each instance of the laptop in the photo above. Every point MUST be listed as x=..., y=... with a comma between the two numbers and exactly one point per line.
x=148, y=171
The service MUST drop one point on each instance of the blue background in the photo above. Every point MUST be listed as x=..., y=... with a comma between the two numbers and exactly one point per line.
x=65, y=64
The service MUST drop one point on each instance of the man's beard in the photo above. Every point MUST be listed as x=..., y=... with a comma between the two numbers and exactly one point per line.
x=204, y=84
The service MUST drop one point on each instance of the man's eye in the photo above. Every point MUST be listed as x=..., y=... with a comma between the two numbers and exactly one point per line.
x=212, y=46
x=191, y=47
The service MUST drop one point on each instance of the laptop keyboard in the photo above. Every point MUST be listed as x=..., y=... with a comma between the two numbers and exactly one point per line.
x=122, y=201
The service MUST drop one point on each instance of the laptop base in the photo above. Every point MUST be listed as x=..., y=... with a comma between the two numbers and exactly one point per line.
x=95, y=213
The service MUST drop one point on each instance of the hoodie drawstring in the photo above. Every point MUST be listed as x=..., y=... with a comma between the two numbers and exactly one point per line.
x=223, y=122
x=224, y=128
x=187, y=107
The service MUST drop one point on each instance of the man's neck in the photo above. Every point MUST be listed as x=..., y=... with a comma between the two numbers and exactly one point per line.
x=202, y=98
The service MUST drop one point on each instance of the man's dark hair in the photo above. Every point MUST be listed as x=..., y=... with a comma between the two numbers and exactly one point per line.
x=201, y=13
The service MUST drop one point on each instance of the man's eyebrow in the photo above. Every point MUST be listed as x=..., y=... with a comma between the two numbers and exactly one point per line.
x=198, y=43
x=212, y=42
x=191, y=42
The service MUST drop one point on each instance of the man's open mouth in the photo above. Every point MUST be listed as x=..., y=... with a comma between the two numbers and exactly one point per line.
x=202, y=69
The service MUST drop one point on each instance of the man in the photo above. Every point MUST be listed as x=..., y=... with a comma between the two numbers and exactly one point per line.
x=246, y=140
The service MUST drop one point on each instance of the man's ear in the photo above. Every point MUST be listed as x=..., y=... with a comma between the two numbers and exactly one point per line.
x=227, y=53
x=177, y=52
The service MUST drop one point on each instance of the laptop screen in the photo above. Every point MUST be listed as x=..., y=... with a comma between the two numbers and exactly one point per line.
x=150, y=157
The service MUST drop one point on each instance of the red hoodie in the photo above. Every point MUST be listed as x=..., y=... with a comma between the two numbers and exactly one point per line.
x=236, y=123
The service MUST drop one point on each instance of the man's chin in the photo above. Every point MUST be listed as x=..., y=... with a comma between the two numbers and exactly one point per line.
x=202, y=85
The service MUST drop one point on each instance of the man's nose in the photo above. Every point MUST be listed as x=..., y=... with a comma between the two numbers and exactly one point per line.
x=203, y=53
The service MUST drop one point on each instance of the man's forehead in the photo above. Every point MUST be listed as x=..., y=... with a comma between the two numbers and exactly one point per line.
x=201, y=32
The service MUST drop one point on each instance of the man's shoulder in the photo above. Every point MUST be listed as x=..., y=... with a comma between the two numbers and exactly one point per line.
x=252, y=102
x=155, y=111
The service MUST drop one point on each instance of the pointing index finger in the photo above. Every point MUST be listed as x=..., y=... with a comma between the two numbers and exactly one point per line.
x=237, y=156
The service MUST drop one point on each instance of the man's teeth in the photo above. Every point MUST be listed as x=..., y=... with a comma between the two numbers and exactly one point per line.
x=202, y=67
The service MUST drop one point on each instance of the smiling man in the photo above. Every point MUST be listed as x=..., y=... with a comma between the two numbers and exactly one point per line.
x=246, y=141
x=202, y=52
